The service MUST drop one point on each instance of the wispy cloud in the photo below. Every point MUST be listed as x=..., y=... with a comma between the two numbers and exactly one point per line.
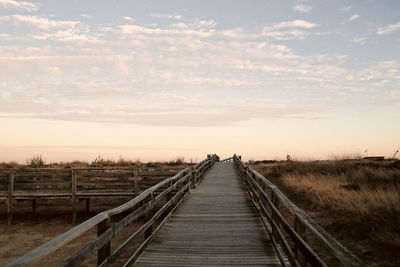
x=23, y=5
x=287, y=30
x=200, y=28
x=172, y=73
x=86, y=16
x=168, y=16
x=345, y=9
x=354, y=17
x=4, y=19
x=388, y=28
x=302, y=8
x=43, y=23
x=128, y=19
x=359, y=39
x=292, y=24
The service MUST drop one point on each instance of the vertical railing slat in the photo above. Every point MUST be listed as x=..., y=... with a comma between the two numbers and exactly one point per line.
x=10, y=207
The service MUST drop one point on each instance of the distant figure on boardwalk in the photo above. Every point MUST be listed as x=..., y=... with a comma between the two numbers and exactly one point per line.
x=288, y=157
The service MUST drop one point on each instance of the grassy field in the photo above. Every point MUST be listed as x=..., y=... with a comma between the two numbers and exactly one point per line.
x=357, y=201
x=39, y=162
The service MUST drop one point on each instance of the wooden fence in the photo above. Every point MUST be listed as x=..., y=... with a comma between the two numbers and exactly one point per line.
x=155, y=208
x=75, y=184
x=268, y=200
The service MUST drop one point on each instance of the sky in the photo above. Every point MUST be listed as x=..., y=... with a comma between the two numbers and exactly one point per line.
x=156, y=80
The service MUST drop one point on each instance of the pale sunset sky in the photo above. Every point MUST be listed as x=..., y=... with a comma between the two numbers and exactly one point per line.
x=154, y=80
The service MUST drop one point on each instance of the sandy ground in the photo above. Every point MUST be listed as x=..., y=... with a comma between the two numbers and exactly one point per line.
x=52, y=218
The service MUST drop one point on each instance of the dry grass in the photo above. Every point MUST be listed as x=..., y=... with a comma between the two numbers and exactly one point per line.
x=354, y=186
x=337, y=193
x=356, y=201
x=39, y=162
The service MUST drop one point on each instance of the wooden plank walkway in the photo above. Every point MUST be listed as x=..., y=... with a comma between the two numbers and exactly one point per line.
x=215, y=226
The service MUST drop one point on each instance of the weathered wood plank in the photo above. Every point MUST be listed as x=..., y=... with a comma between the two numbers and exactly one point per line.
x=216, y=225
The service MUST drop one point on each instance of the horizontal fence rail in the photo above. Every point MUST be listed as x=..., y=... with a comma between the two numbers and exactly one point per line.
x=268, y=199
x=154, y=208
x=76, y=184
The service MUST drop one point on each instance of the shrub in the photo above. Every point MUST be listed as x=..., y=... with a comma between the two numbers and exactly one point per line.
x=35, y=162
x=176, y=162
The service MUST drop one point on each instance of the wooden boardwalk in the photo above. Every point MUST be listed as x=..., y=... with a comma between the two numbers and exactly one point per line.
x=215, y=226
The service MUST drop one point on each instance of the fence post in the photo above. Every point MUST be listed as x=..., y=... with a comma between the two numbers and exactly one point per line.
x=136, y=181
x=105, y=251
x=301, y=230
x=148, y=216
x=10, y=208
x=169, y=197
x=73, y=195
x=192, y=179
x=275, y=201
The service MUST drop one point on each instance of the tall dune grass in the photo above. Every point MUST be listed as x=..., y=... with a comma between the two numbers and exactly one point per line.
x=362, y=187
x=336, y=193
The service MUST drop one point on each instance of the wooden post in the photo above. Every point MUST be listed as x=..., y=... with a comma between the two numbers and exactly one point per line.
x=246, y=171
x=256, y=190
x=195, y=176
x=10, y=208
x=192, y=178
x=136, y=181
x=169, y=197
x=87, y=205
x=34, y=206
x=73, y=195
x=105, y=251
x=301, y=230
x=275, y=201
x=148, y=216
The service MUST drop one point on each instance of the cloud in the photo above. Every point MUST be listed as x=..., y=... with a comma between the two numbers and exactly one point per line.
x=302, y=8
x=4, y=19
x=128, y=19
x=388, y=29
x=168, y=16
x=359, y=39
x=173, y=73
x=86, y=16
x=289, y=30
x=345, y=9
x=191, y=113
x=27, y=6
x=354, y=17
x=197, y=28
x=43, y=23
x=291, y=24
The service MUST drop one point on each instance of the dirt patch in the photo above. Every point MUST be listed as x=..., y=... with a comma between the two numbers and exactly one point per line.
x=52, y=218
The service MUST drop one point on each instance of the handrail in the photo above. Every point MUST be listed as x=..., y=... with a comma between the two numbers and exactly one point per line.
x=74, y=183
x=276, y=225
x=142, y=205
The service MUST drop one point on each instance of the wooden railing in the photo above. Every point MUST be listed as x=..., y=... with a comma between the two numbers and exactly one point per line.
x=229, y=159
x=155, y=209
x=75, y=184
x=268, y=200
